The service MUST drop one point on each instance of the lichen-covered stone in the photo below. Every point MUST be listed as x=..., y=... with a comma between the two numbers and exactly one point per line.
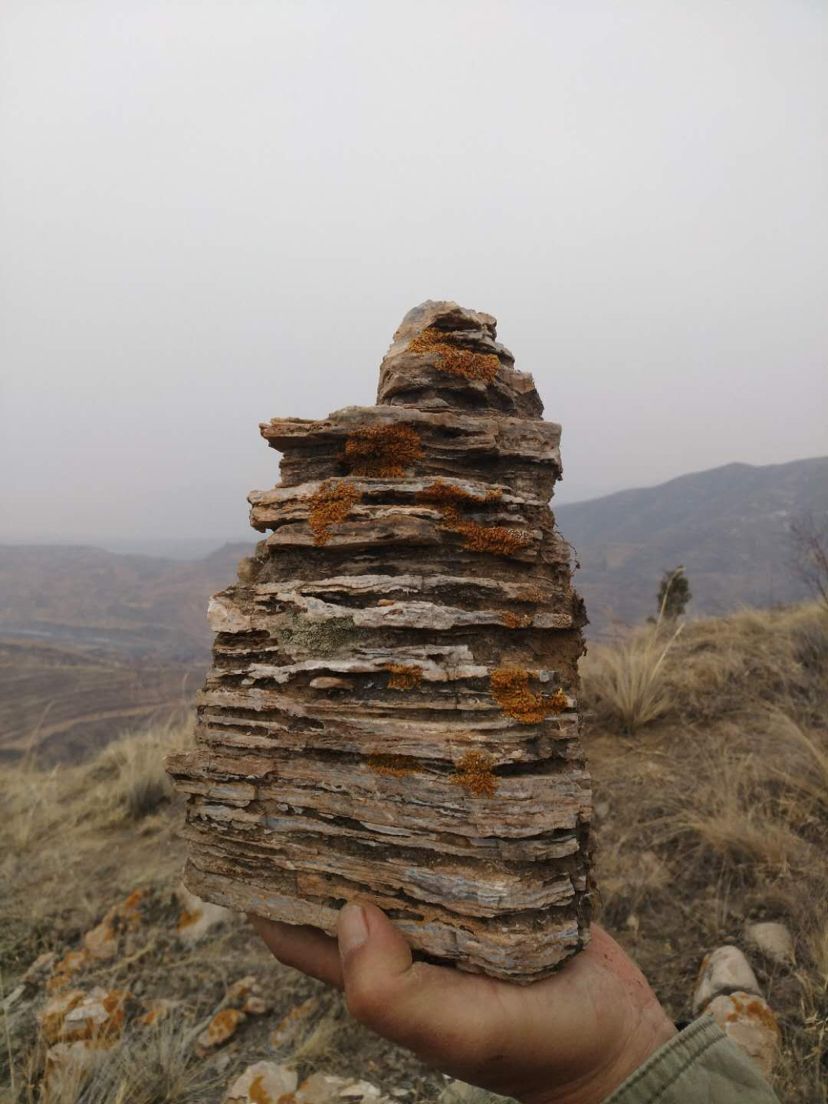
x=392, y=708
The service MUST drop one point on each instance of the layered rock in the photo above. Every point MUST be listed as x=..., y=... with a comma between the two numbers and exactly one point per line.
x=391, y=711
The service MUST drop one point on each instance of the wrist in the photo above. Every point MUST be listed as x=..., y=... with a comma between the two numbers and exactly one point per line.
x=643, y=1039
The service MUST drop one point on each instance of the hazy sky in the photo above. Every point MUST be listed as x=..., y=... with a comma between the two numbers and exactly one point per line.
x=216, y=211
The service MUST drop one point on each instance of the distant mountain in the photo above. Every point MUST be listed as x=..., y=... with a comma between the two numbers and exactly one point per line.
x=729, y=527
x=94, y=642
x=121, y=604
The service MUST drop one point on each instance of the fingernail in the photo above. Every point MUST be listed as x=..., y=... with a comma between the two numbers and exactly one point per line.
x=351, y=929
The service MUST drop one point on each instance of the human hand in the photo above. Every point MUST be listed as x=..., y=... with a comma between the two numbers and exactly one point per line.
x=570, y=1039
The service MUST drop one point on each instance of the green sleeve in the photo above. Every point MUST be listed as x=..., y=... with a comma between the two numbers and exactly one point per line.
x=699, y=1066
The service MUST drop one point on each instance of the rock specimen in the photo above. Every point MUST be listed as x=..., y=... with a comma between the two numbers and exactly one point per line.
x=390, y=714
x=727, y=990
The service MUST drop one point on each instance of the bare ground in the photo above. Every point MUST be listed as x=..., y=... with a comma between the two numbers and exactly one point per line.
x=709, y=814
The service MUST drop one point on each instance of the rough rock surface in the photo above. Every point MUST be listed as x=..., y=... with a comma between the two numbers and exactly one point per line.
x=725, y=970
x=772, y=939
x=748, y=1021
x=391, y=711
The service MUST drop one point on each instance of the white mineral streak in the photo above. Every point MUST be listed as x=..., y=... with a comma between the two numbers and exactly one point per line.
x=391, y=713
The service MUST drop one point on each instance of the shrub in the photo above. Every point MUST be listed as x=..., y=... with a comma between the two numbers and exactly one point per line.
x=625, y=684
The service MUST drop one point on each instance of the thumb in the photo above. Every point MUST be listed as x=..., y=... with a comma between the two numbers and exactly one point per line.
x=375, y=961
x=384, y=988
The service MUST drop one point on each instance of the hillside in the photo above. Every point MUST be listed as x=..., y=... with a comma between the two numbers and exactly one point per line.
x=694, y=838
x=93, y=643
x=61, y=702
x=127, y=604
x=727, y=526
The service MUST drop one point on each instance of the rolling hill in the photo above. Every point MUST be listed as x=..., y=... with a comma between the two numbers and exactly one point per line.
x=729, y=527
x=93, y=642
x=125, y=604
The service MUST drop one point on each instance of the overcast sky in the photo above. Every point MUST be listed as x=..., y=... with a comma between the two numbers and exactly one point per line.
x=216, y=211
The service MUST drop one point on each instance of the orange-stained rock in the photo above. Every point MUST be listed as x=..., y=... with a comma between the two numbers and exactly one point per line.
x=64, y=971
x=99, y=1015
x=263, y=1083
x=102, y=941
x=53, y=1013
x=392, y=710
x=246, y=994
x=294, y=1023
x=198, y=918
x=748, y=1021
x=156, y=1011
x=222, y=1027
x=74, y=1014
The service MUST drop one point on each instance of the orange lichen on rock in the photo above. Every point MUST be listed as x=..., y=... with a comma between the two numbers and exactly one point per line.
x=403, y=677
x=70, y=964
x=497, y=539
x=330, y=504
x=289, y=1025
x=222, y=1026
x=455, y=359
x=474, y=773
x=534, y=594
x=516, y=620
x=755, y=1009
x=392, y=766
x=448, y=497
x=383, y=451
x=510, y=689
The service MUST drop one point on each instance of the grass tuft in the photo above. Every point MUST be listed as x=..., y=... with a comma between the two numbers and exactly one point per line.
x=626, y=684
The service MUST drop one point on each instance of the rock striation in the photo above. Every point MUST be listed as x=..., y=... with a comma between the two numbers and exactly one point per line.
x=391, y=711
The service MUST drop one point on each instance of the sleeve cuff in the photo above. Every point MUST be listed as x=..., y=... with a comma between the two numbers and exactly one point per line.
x=699, y=1064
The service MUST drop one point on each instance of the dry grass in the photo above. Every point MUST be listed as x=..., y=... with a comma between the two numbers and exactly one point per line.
x=712, y=815
x=75, y=841
x=717, y=813
x=62, y=835
x=158, y=1068
x=627, y=682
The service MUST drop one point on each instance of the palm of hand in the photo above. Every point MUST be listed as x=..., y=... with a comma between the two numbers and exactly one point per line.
x=570, y=1039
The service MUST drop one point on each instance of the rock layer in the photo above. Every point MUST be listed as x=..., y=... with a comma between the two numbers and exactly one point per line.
x=391, y=710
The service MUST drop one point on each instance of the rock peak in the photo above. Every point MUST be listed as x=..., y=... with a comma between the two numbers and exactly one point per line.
x=446, y=356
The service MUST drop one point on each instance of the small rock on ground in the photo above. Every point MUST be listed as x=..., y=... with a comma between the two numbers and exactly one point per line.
x=748, y=1021
x=262, y=1083
x=723, y=970
x=772, y=939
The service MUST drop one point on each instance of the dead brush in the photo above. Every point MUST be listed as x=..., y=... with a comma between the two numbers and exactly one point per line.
x=625, y=685
x=53, y=835
x=129, y=774
x=732, y=816
x=729, y=665
x=158, y=1067
x=766, y=767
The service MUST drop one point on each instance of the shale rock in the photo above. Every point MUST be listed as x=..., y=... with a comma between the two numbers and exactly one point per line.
x=391, y=713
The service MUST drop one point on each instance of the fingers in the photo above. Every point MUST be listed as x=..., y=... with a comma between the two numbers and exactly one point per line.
x=304, y=948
